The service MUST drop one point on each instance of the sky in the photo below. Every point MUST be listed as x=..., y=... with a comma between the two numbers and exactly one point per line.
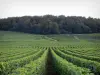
x=14, y=8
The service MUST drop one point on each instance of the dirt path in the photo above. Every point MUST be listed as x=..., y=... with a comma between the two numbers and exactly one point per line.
x=50, y=69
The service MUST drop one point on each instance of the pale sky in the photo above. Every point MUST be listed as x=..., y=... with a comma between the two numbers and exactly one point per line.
x=13, y=8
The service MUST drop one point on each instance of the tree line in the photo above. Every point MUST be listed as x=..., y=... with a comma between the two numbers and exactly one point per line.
x=50, y=24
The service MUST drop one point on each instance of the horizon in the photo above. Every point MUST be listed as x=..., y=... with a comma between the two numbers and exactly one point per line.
x=19, y=8
x=48, y=14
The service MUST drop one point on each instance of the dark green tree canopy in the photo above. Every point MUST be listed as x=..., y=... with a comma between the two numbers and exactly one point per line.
x=49, y=24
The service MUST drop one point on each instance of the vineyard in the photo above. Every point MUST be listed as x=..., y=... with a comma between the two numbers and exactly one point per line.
x=63, y=54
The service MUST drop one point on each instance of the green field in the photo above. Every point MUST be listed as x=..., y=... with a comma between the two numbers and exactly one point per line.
x=63, y=54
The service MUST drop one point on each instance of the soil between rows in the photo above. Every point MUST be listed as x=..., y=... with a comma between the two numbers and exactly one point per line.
x=50, y=67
